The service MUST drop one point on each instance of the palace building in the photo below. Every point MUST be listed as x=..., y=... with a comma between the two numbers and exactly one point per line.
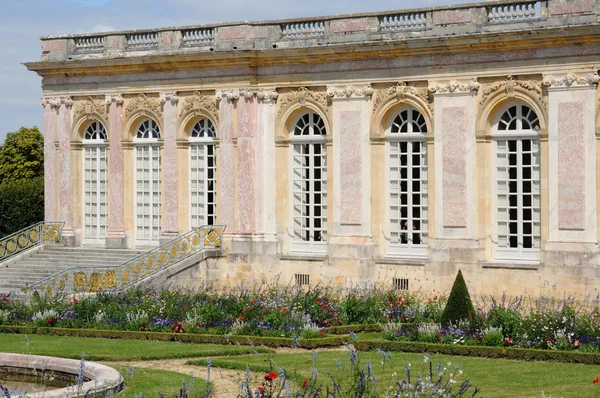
x=394, y=147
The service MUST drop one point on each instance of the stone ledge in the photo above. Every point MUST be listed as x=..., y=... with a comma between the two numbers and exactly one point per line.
x=300, y=257
x=522, y=266
x=401, y=261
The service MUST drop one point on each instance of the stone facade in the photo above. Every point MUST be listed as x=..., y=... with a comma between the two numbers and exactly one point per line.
x=491, y=110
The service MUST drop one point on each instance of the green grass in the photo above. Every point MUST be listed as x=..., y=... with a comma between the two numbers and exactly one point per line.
x=150, y=382
x=496, y=378
x=115, y=350
x=370, y=336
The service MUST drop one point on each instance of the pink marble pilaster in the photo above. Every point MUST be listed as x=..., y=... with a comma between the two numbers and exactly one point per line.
x=454, y=166
x=571, y=165
x=225, y=183
x=247, y=123
x=169, y=165
x=350, y=168
x=50, y=159
x=65, y=166
x=116, y=225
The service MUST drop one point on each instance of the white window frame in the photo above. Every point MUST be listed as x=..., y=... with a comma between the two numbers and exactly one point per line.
x=95, y=144
x=308, y=246
x=407, y=249
x=519, y=254
x=204, y=142
x=154, y=146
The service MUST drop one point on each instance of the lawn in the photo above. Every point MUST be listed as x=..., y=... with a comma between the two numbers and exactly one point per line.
x=496, y=378
x=115, y=350
x=152, y=382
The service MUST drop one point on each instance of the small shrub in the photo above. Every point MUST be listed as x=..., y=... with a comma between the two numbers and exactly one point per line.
x=459, y=306
x=492, y=337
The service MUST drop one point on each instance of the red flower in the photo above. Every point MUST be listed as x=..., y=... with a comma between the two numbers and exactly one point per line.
x=305, y=383
x=576, y=344
x=248, y=308
x=508, y=340
x=261, y=389
x=596, y=380
x=270, y=376
x=142, y=328
x=75, y=301
x=390, y=303
x=185, y=307
x=253, y=301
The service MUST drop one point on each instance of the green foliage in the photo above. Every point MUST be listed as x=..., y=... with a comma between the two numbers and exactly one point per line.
x=459, y=306
x=21, y=204
x=493, y=338
x=22, y=155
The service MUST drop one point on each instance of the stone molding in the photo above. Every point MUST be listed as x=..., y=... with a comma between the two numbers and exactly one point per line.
x=509, y=85
x=53, y=102
x=169, y=96
x=90, y=108
x=454, y=87
x=116, y=98
x=142, y=104
x=337, y=92
x=571, y=80
x=198, y=102
x=236, y=93
x=67, y=102
x=301, y=96
x=399, y=91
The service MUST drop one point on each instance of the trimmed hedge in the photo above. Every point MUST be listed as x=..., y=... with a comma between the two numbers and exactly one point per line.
x=354, y=329
x=272, y=342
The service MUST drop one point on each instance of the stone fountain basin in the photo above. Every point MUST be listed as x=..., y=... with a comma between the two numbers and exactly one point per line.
x=99, y=378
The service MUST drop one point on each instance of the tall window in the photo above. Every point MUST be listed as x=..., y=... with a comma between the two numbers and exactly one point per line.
x=407, y=184
x=147, y=183
x=309, y=183
x=517, y=196
x=94, y=182
x=202, y=174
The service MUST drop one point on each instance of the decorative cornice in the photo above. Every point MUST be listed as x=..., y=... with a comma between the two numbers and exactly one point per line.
x=141, y=104
x=571, y=80
x=116, y=98
x=197, y=102
x=349, y=91
x=267, y=94
x=399, y=91
x=169, y=96
x=66, y=101
x=90, y=108
x=53, y=102
x=236, y=93
x=230, y=93
x=301, y=96
x=454, y=87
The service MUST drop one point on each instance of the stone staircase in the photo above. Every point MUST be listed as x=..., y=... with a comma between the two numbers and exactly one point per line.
x=51, y=259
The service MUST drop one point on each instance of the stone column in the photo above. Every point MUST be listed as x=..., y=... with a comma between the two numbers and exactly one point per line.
x=572, y=230
x=225, y=161
x=455, y=238
x=51, y=198
x=169, y=229
x=351, y=234
x=115, y=238
x=65, y=170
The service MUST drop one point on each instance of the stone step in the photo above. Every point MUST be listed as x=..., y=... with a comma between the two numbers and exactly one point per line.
x=84, y=250
x=43, y=257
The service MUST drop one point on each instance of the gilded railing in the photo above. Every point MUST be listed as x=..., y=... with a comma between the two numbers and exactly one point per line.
x=131, y=272
x=27, y=238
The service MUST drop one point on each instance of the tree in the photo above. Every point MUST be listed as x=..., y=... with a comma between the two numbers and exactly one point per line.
x=21, y=204
x=459, y=306
x=22, y=155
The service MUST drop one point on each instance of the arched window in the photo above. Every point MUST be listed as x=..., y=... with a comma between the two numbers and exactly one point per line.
x=309, y=183
x=202, y=174
x=147, y=183
x=517, y=184
x=95, y=209
x=407, y=184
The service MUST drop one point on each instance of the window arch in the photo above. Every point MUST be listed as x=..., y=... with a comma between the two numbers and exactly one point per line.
x=147, y=183
x=407, y=197
x=517, y=195
x=95, y=197
x=309, y=183
x=203, y=165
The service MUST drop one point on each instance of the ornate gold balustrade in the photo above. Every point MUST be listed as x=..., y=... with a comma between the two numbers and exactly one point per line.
x=32, y=236
x=131, y=272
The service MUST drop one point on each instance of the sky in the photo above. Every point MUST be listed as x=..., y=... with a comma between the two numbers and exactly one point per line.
x=22, y=22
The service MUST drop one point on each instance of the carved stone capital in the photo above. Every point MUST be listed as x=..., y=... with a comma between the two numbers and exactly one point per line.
x=142, y=104
x=400, y=91
x=169, y=96
x=454, y=87
x=90, y=108
x=267, y=94
x=230, y=93
x=66, y=101
x=116, y=98
x=349, y=91
x=571, y=80
x=198, y=102
x=52, y=102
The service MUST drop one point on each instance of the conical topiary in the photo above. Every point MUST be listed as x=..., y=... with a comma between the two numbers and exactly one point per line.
x=459, y=306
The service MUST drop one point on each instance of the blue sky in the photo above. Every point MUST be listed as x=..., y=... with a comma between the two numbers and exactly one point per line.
x=22, y=22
